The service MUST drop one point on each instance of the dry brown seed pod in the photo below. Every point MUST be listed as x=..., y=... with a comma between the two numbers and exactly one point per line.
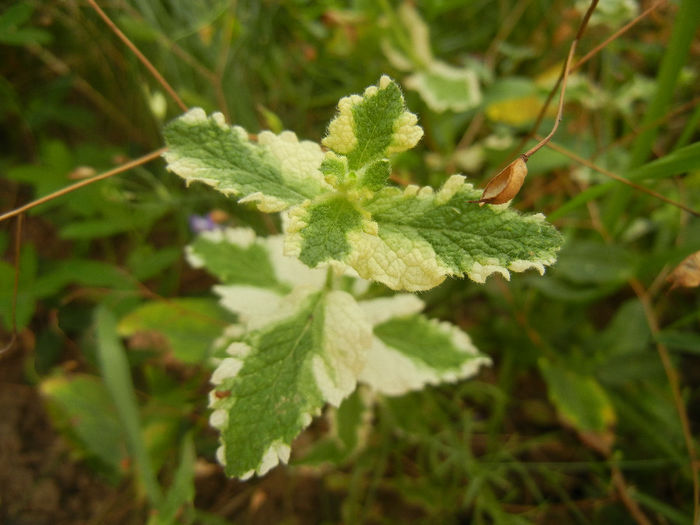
x=687, y=273
x=506, y=185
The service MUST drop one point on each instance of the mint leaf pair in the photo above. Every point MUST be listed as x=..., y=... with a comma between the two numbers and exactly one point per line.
x=299, y=344
x=341, y=210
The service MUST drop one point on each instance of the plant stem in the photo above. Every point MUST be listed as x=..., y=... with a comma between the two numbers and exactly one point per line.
x=68, y=189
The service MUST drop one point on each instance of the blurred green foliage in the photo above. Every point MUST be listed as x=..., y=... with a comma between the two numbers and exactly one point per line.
x=576, y=352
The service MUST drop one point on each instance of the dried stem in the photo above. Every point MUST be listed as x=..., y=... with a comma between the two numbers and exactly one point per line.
x=618, y=178
x=68, y=189
x=59, y=67
x=139, y=55
x=545, y=106
x=617, y=34
x=618, y=480
x=560, y=109
x=674, y=383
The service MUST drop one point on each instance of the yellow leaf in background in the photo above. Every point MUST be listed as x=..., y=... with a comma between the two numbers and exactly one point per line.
x=516, y=111
x=548, y=77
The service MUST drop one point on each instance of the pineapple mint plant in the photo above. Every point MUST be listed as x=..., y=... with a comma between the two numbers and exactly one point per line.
x=305, y=334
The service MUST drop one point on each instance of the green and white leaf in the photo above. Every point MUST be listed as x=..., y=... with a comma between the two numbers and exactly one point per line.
x=413, y=239
x=276, y=173
x=372, y=126
x=349, y=428
x=282, y=373
x=444, y=87
x=410, y=351
x=236, y=256
x=418, y=33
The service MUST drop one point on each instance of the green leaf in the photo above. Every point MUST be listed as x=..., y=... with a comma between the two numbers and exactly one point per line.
x=181, y=492
x=190, y=325
x=146, y=262
x=410, y=351
x=444, y=87
x=417, y=237
x=578, y=398
x=84, y=408
x=82, y=272
x=114, y=368
x=293, y=360
x=12, y=34
x=15, y=15
x=349, y=425
x=234, y=256
x=127, y=219
x=325, y=235
x=684, y=341
x=590, y=262
x=276, y=173
x=372, y=126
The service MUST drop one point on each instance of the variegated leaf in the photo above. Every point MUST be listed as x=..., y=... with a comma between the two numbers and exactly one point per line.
x=309, y=352
x=413, y=239
x=275, y=173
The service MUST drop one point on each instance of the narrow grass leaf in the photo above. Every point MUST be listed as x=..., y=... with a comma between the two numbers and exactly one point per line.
x=114, y=367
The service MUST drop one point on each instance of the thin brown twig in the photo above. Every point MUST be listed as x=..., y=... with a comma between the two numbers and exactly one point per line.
x=618, y=178
x=600, y=443
x=15, y=287
x=68, y=189
x=674, y=383
x=59, y=67
x=545, y=106
x=674, y=112
x=618, y=480
x=617, y=34
x=139, y=55
x=560, y=108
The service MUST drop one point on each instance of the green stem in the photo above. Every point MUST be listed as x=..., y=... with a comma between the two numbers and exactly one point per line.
x=689, y=129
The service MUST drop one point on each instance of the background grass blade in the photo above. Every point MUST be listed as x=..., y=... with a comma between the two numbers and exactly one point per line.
x=114, y=367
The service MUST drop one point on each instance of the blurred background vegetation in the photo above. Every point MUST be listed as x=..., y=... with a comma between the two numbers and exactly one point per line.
x=589, y=412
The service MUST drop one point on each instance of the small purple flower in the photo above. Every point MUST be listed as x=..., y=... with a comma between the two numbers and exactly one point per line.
x=201, y=223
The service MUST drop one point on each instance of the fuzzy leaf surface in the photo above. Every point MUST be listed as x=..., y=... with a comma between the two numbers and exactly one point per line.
x=413, y=239
x=282, y=373
x=277, y=172
x=410, y=351
x=372, y=126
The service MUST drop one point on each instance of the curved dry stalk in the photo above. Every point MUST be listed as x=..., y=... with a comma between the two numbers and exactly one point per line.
x=68, y=189
x=560, y=108
x=618, y=178
x=505, y=185
x=139, y=55
x=617, y=34
x=674, y=383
